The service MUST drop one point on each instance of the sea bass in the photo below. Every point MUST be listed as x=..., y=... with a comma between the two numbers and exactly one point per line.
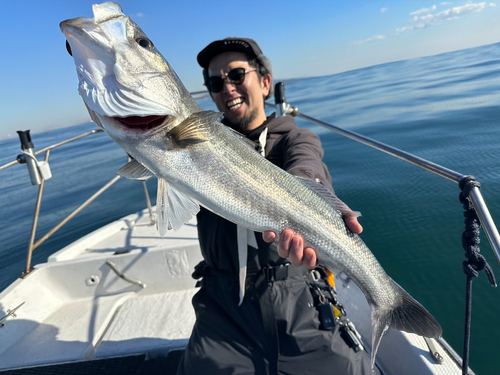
x=131, y=91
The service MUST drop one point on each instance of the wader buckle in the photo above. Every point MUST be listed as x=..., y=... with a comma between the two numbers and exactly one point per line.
x=276, y=273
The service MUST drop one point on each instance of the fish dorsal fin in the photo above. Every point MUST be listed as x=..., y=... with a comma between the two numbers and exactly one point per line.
x=134, y=170
x=331, y=197
x=173, y=208
x=192, y=130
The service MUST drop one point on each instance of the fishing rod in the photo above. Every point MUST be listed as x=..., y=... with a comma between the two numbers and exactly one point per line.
x=282, y=109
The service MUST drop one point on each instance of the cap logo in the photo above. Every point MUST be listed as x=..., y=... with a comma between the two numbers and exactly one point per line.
x=243, y=43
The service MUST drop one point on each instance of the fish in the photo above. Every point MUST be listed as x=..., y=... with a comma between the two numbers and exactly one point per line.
x=132, y=92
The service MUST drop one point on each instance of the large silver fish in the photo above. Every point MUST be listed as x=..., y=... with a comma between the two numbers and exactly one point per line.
x=132, y=92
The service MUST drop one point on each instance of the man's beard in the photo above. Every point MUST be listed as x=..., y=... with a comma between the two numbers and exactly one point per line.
x=241, y=124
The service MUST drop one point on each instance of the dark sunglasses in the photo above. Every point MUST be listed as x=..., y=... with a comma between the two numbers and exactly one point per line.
x=235, y=76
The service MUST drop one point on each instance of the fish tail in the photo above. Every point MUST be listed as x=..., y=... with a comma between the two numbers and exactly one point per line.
x=409, y=316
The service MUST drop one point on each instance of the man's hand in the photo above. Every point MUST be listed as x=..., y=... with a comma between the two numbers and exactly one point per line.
x=292, y=245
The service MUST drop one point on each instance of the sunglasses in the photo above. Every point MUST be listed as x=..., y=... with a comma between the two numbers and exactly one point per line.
x=235, y=76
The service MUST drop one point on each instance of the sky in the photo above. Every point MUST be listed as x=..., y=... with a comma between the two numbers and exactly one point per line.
x=38, y=85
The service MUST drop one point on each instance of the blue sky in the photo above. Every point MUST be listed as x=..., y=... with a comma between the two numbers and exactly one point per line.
x=38, y=88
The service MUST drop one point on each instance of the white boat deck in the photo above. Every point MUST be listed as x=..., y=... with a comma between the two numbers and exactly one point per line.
x=78, y=309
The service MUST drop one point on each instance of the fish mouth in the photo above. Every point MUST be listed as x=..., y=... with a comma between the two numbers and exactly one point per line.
x=142, y=122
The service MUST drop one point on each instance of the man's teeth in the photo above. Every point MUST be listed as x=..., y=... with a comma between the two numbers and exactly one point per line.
x=234, y=104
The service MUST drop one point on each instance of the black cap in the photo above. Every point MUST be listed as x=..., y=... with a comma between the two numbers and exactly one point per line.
x=233, y=44
x=245, y=45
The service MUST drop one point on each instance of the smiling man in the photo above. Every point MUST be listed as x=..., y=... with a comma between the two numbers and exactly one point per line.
x=243, y=103
x=256, y=313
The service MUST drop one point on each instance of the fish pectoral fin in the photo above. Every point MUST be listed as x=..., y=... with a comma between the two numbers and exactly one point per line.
x=192, y=130
x=134, y=170
x=331, y=197
x=173, y=208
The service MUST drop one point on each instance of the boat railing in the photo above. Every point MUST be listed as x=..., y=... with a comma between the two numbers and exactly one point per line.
x=283, y=109
x=40, y=172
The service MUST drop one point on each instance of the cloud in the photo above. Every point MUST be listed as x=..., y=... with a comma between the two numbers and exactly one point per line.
x=449, y=14
x=425, y=17
x=373, y=38
x=400, y=30
x=423, y=10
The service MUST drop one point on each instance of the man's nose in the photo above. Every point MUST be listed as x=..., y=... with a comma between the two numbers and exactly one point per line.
x=228, y=86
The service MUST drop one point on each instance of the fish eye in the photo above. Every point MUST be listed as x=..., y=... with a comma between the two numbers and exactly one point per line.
x=68, y=48
x=145, y=43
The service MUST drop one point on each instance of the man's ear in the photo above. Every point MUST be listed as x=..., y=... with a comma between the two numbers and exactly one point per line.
x=266, y=84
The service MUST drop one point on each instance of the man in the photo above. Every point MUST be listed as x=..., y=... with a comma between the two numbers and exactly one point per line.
x=265, y=322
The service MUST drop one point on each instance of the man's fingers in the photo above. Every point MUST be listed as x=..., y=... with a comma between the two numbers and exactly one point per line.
x=296, y=250
x=268, y=236
x=310, y=258
x=291, y=246
x=284, y=243
x=353, y=225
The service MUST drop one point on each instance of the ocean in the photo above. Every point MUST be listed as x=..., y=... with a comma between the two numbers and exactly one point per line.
x=443, y=108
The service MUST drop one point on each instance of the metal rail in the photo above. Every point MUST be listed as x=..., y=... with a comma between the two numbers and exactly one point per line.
x=14, y=162
x=76, y=211
x=32, y=244
x=475, y=195
x=403, y=155
x=152, y=219
x=10, y=313
x=477, y=199
x=35, y=222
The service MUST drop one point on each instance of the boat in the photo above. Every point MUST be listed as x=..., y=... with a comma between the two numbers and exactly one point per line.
x=118, y=300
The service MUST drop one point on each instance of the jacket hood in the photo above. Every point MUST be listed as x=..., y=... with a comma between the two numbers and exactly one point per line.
x=279, y=125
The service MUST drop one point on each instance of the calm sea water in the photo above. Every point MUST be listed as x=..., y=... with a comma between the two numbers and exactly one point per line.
x=443, y=108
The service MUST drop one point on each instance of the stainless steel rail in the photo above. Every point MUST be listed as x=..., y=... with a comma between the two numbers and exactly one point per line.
x=415, y=160
x=152, y=219
x=95, y=131
x=32, y=244
x=477, y=199
x=14, y=162
x=76, y=211
x=10, y=313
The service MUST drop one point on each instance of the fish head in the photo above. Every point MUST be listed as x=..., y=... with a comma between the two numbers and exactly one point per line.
x=128, y=87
